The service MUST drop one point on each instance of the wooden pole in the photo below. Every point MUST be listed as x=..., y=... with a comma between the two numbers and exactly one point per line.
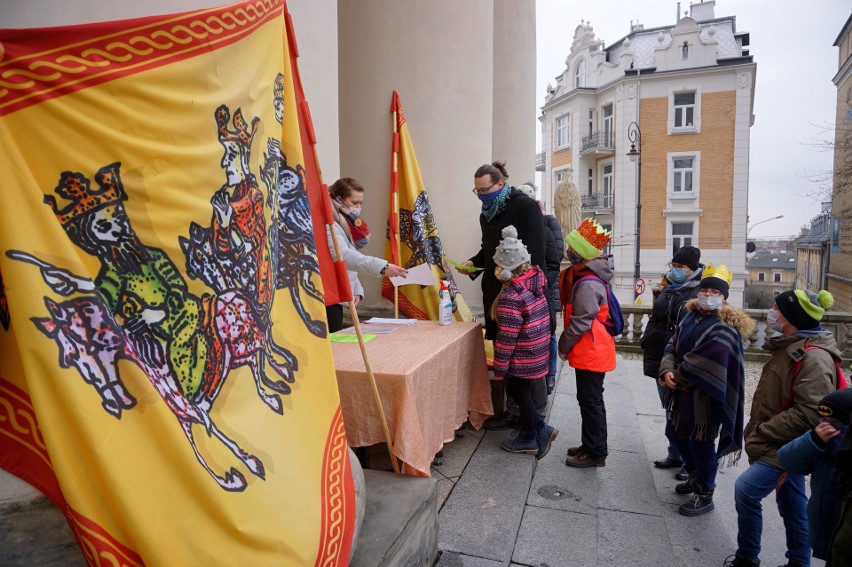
x=395, y=198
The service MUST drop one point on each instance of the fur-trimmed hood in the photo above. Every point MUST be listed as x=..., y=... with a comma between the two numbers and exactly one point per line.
x=735, y=318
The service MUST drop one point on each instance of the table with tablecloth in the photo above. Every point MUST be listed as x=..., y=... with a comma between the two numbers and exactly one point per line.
x=431, y=379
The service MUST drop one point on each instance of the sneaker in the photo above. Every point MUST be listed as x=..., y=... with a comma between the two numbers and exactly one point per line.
x=521, y=442
x=737, y=561
x=700, y=503
x=545, y=437
x=583, y=460
x=574, y=451
x=502, y=421
x=681, y=474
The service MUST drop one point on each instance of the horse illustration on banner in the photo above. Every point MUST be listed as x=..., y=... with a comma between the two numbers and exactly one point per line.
x=138, y=307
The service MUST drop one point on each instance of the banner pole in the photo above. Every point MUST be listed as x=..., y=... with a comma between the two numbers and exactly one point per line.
x=395, y=217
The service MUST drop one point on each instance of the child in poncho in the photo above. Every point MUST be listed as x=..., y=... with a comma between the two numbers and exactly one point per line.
x=704, y=369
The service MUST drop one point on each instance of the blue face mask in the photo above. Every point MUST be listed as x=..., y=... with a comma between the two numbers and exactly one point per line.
x=677, y=275
x=573, y=257
x=488, y=200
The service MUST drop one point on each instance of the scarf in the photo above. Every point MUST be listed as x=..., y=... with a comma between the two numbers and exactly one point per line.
x=498, y=204
x=355, y=228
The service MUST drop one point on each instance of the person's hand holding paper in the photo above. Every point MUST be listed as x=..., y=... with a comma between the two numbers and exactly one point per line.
x=420, y=274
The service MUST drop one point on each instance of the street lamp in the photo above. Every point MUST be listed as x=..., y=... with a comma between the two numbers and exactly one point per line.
x=761, y=222
x=634, y=134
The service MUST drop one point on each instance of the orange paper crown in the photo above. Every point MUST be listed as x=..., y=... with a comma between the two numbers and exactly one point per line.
x=594, y=234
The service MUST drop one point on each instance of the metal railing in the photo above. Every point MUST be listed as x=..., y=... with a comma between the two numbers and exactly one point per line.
x=604, y=140
x=839, y=323
x=597, y=201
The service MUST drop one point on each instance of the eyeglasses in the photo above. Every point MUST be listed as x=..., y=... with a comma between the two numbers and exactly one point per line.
x=478, y=191
x=710, y=291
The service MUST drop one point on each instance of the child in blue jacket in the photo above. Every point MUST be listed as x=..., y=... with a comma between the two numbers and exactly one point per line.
x=815, y=453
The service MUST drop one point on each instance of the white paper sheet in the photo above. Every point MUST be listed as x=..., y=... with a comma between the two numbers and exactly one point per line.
x=386, y=321
x=420, y=274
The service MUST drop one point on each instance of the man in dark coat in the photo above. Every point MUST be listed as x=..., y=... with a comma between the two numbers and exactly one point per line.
x=503, y=205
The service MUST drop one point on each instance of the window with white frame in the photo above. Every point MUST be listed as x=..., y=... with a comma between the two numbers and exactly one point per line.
x=580, y=74
x=682, y=235
x=606, y=186
x=563, y=131
x=776, y=277
x=558, y=176
x=607, y=249
x=684, y=110
x=683, y=173
x=761, y=276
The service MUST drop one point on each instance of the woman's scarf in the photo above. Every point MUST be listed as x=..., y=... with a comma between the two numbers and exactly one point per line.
x=355, y=228
x=498, y=204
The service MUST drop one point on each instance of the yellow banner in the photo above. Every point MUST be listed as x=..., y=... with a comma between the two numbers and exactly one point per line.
x=413, y=225
x=165, y=372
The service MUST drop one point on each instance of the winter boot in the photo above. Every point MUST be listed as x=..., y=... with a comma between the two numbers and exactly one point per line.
x=545, y=436
x=584, y=460
x=686, y=487
x=737, y=561
x=700, y=503
x=574, y=451
x=521, y=441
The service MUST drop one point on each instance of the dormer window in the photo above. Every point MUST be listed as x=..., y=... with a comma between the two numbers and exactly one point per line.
x=685, y=50
x=580, y=74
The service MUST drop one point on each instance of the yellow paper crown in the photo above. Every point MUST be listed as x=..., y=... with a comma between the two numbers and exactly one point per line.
x=721, y=272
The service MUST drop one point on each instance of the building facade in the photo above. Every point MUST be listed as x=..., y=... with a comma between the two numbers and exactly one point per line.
x=690, y=89
x=812, y=254
x=768, y=274
x=839, y=275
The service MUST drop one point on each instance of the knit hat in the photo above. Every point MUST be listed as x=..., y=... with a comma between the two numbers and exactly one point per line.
x=527, y=190
x=837, y=405
x=688, y=256
x=511, y=252
x=719, y=279
x=803, y=308
x=588, y=239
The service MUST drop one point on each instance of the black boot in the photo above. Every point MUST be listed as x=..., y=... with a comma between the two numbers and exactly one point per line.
x=737, y=561
x=700, y=503
x=686, y=487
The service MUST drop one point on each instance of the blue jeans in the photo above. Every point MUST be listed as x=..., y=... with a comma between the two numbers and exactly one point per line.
x=698, y=457
x=753, y=485
x=554, y=355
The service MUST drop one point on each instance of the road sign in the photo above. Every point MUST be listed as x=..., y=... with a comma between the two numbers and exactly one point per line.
x=639, y=286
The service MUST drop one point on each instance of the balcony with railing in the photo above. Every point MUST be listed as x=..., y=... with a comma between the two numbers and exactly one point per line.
x=540, y=161
x=599, y=143
x=597, y=202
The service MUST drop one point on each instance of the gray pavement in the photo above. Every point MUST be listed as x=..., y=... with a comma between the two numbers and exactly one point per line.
x=498, y=508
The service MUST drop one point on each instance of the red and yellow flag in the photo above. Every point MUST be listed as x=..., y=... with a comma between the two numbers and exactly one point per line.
x=413, y=232
x=165, y=374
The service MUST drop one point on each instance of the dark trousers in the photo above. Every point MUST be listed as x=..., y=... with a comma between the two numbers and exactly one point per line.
x=539, y=398
x=521, y=390
x=590, y=391
x=334, y=313
x=698, y=457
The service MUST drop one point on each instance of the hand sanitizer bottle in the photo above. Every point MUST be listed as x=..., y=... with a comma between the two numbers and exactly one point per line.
x=445, y=307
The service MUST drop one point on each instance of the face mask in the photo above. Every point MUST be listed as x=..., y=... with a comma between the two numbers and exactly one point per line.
x=488, y=200
x=355, y=211
x=772, y=321
x=710, y=302
x=503, y=274
x=573, y=257
x=677, y=275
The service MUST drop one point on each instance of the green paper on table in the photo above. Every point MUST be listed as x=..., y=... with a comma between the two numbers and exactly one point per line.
x=348, y=338
x=463, y=267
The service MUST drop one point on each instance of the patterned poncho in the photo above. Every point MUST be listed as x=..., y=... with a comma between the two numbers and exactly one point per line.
x=706, y=356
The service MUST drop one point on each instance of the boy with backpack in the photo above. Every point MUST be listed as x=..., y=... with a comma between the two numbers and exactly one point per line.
x=801, y=371
x=586, y=342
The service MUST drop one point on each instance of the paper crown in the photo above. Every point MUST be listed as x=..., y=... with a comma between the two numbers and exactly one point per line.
x=589, y=239
x=721, y=272
x=76, y=188
x=241, y=134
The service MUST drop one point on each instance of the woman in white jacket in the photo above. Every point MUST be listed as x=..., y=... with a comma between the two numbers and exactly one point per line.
x=347, y=195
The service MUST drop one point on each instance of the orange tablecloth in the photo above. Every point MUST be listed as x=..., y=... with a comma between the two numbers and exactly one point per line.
x=431, y=378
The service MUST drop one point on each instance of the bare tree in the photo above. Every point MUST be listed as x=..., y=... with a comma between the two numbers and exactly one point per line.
x=837, y=181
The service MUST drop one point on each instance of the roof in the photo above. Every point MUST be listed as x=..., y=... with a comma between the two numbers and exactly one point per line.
x=773, y=260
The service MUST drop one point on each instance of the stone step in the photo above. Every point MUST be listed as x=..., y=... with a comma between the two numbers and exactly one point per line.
x=400, y=525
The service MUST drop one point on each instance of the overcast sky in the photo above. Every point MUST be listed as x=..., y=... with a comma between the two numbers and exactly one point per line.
x=792, y=44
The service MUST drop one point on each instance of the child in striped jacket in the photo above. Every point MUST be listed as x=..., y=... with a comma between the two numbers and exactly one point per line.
x=521, y=348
